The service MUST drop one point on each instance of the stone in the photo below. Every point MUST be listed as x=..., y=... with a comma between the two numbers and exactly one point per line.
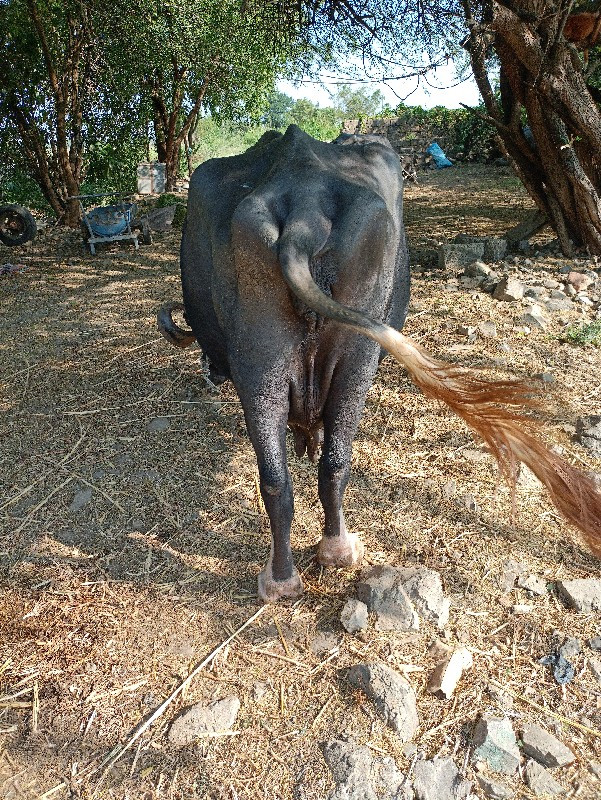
x=594, y=665
x=158, y=425
x=204, y=720
x=381, y=590
x=509, y=290
x=555, y=304
x=323, y=642
x=544, y=747
x=495, y=743
x=512, y=570
x=551, y=283
x=424, y=587
x=477, y=269
x=439, y=779
x=494, y=247
x=595, y=643
x=393, y=696
x=494, y=789
x=459, y=256
x=582, y=594
x=447, y=674
x=569, y=650
x=533, y=584
x=588, y=433
x=487, y=329
x=354, y=616
x=535, y=292
x=540, y=781
x=545, y=377
x=81, y=499
x=534, y=318
x=579, y=280
x=595, y=768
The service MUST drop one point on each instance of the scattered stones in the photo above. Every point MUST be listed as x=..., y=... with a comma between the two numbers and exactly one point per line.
x=494, y=789
x=81, y=499
x=158, y=425
x=392, y=695
x=582, y=594
x=424, y=587
x=447, y=674
x=439, y=779
x=204, y=720
x=540, y=781
x=495, y=743
x=544, y=747
x=557, y=304
x=354, y=616
x=509, y=290
x=533, y=584
x=588, y=433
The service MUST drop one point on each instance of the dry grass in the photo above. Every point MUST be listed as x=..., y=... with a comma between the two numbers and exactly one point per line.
x=105, y=610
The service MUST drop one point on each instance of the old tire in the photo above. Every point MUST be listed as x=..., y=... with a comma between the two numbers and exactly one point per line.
x=17, y=225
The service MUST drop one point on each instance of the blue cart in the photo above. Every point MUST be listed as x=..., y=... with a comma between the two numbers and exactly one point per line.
x=110, y=223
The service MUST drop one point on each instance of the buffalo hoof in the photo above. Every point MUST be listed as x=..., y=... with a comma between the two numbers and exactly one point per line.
x=340, y=551
x=270, y=590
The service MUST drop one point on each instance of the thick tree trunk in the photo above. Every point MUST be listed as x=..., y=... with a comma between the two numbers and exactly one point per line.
x=542, y=74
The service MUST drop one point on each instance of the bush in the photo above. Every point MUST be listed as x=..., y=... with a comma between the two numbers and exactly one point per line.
x=586, y=333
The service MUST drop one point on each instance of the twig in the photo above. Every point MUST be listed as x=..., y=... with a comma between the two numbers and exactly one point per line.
x=282, y=658
x=43, y=503
x=52, y=791
x=118, y=751
x=132, y=349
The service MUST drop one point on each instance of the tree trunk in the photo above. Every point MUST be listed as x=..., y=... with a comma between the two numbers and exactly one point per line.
x=541, y=73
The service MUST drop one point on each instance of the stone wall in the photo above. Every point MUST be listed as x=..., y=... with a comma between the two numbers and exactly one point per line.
x=409, y=139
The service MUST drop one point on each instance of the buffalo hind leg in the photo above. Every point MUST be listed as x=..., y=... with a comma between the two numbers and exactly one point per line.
x=338, y=546
x=279, y=578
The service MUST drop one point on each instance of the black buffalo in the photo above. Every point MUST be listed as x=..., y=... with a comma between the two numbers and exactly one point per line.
x=295, y=276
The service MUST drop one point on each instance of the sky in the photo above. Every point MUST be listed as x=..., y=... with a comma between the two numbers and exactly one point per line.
x=441, y=90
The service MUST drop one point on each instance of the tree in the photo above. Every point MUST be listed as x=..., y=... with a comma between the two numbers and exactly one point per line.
x=355, y=103
x=543, y=79
x=277, y=113
x=47, y=78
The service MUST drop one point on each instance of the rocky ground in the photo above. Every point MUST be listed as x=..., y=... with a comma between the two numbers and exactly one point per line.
x=463, y=660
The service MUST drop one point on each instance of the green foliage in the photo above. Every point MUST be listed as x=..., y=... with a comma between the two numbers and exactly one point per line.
x=358, y=103
x=469, y=133
x=321, y=123
x=586, y=333
x=167, y=199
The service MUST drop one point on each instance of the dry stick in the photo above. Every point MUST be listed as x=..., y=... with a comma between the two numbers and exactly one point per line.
x=565, y=720
x=116, y=753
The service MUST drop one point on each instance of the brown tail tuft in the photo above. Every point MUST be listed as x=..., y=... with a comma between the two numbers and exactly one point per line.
x=487, y=408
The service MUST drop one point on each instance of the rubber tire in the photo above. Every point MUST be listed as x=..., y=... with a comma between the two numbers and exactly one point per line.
x=29, y=226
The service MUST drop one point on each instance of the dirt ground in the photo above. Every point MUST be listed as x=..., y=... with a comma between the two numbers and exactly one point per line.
x=132, y=535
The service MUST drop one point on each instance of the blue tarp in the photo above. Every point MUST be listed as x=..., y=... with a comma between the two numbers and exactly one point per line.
x=439, y=157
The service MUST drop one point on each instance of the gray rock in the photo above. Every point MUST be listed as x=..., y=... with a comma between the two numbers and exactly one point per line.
x=161, y=219
x=582, y=594
x=391, y=783
x=595, y=768
x=381, y=590
x=487, y=329
x=158, y=425
x=588, y=433
x=392, y=695
x=540, y=781
x=534, y=584
x=555, y=304
x=544, y=747
x=345, y=758
x=424, y=587
x=439, y=779
x=495, y=743
x=494, y=247
x=594, y=665
x=512, y=570
x=81, y=499
x=359, y=776
x=204, y=720
x=354, y=616
x=494, y=789
x=595, y=643
x=459, y=256
x=534, y=318
x=535, y=292
x=509, y=290
x=569, y=650
x=551, y=283
x=477, y=269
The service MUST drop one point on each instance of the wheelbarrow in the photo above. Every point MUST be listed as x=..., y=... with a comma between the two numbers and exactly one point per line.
x=110, y=223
